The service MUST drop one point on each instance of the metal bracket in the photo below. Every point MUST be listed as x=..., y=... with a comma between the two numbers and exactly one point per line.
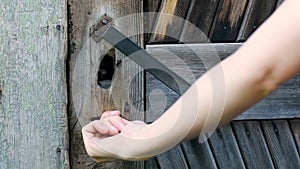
x=105, y=30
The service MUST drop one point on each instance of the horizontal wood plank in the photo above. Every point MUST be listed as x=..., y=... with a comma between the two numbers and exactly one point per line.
x=184, y=60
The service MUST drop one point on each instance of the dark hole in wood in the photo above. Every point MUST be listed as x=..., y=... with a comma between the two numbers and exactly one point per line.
x=106, y=69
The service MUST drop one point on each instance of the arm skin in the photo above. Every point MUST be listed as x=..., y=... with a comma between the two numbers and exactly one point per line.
x=270, y=57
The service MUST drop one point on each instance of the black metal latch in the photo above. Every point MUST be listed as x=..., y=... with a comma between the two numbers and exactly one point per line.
x=105, y=30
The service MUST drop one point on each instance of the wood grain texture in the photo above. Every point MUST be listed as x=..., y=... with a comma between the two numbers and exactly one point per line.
x=257, y=12
x=33, y=119
x=228, y=20
x=199, y=155
x=295, y=127
x=170, y=22
x=225, y=149
x=199, y=21
x=281, y=144
x=252, y=143
x=184, y=60
x=279, y=2
x=88, y=100
x=173, y=158
x=151, y=9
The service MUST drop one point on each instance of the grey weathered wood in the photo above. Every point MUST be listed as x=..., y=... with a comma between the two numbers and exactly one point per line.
x=295, y=127
x=279, y=2
x=257, y=12
x=33, y=117
x=88, y=100
x=167, y=28
x=199, y=155
x=252, y=144
x=281, y=144
x=225, y=149
x=199, y=21
x=173, y=158
x=185, y=61
x=151, y=10
x=151, y=163
x=228, y=20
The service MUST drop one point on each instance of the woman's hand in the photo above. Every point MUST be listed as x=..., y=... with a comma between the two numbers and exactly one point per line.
x=93, y=133
x=108, y=138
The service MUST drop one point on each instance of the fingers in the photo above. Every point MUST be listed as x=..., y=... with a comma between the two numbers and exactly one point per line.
x=110, y=114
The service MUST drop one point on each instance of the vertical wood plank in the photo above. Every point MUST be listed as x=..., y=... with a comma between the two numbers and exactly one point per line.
x=252, y=144
x=173, y=158
x=88, y=98
x=166, y=24
x=257, y=12
x=225, y=149
x=151, y=163
x=295, y=126
x=281, y=144
x=199, y=155
x=151, y=9
x=228, y=20
x=199, y=21
x=33, y=119
x=279, y=2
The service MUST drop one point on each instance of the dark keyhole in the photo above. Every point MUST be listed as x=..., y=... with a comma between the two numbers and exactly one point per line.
x=106, y=70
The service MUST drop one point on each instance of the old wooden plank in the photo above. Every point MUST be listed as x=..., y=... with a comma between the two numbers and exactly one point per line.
x=184, y=60
x=279, y=2
x=199, y=21
x=151, y=9
x=281, y=144
x=151, y=163
x=170, y=21
x=199, y=155
x=295, y=126
x=33, y=120
x=228, y=20
x=257, y=12
x=173, y=158
x=252, y=144
x=89, y=99
x=225, y=149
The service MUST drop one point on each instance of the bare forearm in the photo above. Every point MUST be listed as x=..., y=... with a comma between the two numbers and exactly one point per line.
x=270, y=57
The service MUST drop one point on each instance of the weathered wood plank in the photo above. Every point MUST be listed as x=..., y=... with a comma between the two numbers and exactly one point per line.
x=295, y=126
x=173, y=158
x=225, y=149
x=89, y=99
x=199, y=21
x=281, y=144
x=151, y=163
x=33, y=117
x=199, y=155
x=228, y=20
x=184, y=60
x=257, y=12
x=279, y=2
x=168, y=28
x=252, y=144
x=151, y=9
